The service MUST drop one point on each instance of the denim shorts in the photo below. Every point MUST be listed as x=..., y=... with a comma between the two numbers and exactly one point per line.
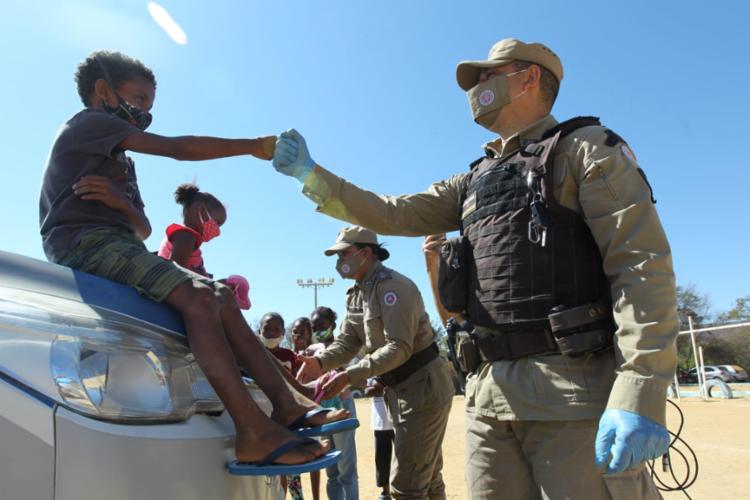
x=122, y=256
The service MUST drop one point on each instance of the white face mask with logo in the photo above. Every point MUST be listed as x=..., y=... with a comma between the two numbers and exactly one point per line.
x=271, y=343
x=488, y=98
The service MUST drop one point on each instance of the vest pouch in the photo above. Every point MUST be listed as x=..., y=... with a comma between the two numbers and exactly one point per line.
x=584, y=329
x=467, y=353
x=453, y=274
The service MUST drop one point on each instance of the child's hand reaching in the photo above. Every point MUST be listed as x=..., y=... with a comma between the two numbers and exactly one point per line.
x=267, y=147
x=101, y=188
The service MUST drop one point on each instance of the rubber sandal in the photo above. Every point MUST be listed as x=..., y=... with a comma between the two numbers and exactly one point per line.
x=299, y=428
x=267, y=467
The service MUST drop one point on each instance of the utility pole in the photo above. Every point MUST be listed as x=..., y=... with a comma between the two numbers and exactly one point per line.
x=309, y=283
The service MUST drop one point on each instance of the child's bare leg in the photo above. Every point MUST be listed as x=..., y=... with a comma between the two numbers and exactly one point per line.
x=275, y=381
x=257, y=435
x=315, y=484
x=305, y=391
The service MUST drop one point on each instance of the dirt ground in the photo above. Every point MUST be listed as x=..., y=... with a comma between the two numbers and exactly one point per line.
x=717, y=430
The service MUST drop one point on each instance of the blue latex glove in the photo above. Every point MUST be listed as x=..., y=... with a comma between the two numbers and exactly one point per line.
x=291, y=156
x=629, y=438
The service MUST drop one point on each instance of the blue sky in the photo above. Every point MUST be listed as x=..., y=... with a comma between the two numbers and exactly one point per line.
x=371, y=85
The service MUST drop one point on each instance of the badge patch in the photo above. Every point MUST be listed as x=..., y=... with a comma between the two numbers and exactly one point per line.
x=470, y=205
x=487, y=97
x=628, y=152
x=390, y=298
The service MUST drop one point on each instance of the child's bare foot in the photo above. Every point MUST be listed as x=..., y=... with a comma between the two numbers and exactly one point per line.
x=254, y=447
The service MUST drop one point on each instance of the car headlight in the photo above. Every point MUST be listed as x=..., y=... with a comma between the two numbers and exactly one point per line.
x=106, y=365
x=130, y=375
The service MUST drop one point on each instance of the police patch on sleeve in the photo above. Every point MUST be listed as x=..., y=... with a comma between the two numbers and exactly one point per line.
x=390, y=298
x=628, y=152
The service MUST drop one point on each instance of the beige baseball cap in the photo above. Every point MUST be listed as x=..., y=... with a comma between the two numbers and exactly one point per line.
x=504, y=52
x=356, y=234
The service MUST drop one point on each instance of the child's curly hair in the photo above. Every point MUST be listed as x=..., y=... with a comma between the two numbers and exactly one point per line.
x=120, y=67
x=188, y=193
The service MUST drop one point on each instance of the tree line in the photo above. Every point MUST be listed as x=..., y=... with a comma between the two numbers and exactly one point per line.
x=721, y=347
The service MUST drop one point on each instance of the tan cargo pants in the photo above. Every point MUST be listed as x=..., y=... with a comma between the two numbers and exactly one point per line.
x=419, y=408
x=554, y=460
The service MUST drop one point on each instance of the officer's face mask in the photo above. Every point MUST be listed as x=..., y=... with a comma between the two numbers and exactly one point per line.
x=488, y=98
x=348, y=267
x=132, y=114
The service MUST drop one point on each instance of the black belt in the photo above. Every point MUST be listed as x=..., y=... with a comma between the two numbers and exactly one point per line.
x=414, y=363
x=507, y=346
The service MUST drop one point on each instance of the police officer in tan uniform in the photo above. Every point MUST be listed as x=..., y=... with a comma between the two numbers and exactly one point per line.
x=559, y=225
x=385, y=314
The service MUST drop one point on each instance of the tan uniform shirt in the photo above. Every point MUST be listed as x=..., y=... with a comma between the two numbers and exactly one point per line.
x=601, y=183
x=385, y=314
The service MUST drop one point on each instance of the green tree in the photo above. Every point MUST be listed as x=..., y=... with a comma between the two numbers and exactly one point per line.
x=692, y=302
x=740, y=311
x=441, y=336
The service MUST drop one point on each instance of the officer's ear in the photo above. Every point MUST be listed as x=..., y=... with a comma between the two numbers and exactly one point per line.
x=369, y=253
x=532, y=77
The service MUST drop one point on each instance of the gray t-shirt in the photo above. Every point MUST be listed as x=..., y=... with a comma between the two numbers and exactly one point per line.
x=85, y=144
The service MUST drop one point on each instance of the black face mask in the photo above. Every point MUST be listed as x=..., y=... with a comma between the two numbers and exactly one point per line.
x=125, y=110
x=129, y=113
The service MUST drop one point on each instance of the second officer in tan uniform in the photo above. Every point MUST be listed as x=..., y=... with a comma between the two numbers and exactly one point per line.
x=385, y=314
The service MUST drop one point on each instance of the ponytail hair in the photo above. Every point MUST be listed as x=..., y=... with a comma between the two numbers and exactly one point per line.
x=189, y=193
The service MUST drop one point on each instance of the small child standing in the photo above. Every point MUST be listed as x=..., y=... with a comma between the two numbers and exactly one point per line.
x=271, y=333
x=202, y=217
x=92, y=219
x=383, y=429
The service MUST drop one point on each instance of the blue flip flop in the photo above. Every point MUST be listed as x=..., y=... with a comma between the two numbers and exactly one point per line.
x=267, y=467
x=299, y=428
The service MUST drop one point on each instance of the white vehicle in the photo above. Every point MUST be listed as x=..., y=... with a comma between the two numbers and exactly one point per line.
x=713, y=372
x=101, y=398
x=738, y=373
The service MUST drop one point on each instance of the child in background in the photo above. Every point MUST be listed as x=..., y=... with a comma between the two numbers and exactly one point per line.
x=301, y=340
x=301, y=334
x=92, y=219
x=343, y=480
x=202, y=217
x=383, y=429
x=271, y=333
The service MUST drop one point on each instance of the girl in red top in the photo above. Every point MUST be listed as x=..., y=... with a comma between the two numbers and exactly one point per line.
x=203, y=215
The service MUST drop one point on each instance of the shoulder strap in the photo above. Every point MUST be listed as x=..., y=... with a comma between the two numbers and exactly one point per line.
x=561, y=130
x=571, y=125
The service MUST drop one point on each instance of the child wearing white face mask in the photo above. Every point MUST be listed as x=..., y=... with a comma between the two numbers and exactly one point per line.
x=271, y=334
x=202, y=217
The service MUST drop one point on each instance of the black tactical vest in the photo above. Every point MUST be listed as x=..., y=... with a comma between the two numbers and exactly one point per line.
x=529, y=253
